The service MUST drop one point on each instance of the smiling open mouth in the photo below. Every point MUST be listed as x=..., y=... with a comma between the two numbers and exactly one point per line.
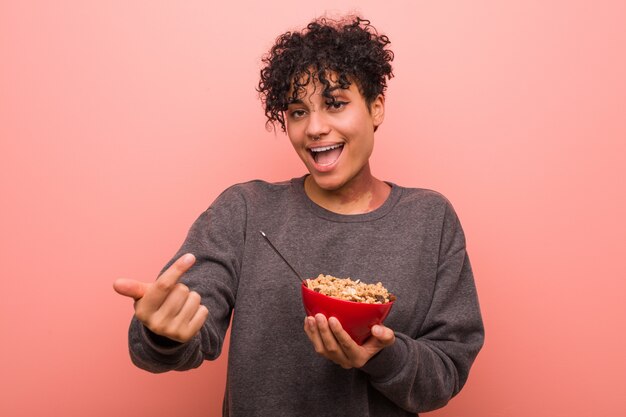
x=326, y=155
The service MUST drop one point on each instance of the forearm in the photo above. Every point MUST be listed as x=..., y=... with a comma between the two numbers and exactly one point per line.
x=417, y=375
x=157, y=354
x=153, y=355
x=424, y=372
x=214, y=277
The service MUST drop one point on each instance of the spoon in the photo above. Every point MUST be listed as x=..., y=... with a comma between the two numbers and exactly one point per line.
x=282, y=257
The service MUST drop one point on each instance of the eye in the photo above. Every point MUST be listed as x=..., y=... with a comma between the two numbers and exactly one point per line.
x=337, y=105
x=297, y=113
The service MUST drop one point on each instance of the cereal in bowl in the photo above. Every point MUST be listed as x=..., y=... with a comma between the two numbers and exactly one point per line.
x=349, y=290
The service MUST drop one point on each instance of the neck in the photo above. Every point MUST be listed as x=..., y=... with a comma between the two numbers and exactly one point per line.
x=363, y=194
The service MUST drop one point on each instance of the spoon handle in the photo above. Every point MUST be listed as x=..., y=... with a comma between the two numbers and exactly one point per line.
x=282, y=257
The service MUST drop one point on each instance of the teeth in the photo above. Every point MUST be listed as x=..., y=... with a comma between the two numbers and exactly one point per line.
x=325, y=148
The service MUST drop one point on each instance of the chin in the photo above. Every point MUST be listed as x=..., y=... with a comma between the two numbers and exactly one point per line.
x=327, y=183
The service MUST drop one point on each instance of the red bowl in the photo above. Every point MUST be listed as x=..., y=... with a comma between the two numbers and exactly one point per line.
x=356, y=319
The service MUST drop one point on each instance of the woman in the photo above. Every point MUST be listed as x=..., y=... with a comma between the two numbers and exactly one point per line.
x=325, y=87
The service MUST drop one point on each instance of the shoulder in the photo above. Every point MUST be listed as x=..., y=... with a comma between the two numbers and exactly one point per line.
x=255, y=188
x=435, y=212
x=254, y=192
x=424, y=199
x=260, y=186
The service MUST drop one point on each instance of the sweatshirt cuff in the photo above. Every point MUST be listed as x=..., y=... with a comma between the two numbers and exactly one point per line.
x=161, y=344
x=388, y=362
x=158, y=342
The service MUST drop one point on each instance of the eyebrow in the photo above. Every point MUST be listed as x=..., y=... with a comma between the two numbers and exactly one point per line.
x=330, y=90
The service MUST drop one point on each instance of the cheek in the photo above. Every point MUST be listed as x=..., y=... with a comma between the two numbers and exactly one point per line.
x=291, y=135
x=358, y=123
x=294, y=132
x=296, y=141
x=360, y=130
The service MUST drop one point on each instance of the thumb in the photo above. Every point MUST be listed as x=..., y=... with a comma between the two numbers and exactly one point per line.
x=130, y=288
x=384, y=335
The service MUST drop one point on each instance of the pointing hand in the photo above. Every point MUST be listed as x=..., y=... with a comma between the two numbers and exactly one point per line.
x=165, y=306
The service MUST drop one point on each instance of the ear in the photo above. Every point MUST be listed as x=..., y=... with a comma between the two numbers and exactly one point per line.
x=377, y=110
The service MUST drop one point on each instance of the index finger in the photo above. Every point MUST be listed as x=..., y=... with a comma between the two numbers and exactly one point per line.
x=343, y=338
x=168, y=279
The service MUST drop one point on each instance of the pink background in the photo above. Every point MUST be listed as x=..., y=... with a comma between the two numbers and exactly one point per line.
x=120, y=121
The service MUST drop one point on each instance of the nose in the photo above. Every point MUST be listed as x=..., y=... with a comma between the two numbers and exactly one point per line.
x=317, y=126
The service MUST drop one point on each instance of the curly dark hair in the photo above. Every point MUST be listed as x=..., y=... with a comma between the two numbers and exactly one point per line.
x=349, y=50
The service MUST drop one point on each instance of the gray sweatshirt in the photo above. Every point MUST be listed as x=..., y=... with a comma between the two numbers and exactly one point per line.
x=413, y=244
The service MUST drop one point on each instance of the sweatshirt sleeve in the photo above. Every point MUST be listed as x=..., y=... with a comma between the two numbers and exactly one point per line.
x=217, y=240
x=423, y=373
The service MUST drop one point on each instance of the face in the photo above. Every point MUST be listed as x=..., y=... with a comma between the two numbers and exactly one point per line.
x=334, y=140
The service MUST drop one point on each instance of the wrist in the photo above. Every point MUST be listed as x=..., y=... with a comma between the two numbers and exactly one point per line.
x=387, y=362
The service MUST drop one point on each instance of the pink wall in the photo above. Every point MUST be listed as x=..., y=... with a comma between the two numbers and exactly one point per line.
x=121, y=121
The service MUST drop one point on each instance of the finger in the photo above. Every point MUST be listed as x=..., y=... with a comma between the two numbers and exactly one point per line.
x=174, y=302
x=184, y=331
x=168, y=279
x=347, y=344
x=328, y=339
x=166, y=282
x=189, y=330
x=383, y=335
x=130, y=288
x=189, y=308
x=311, y=330
x=197, y=321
